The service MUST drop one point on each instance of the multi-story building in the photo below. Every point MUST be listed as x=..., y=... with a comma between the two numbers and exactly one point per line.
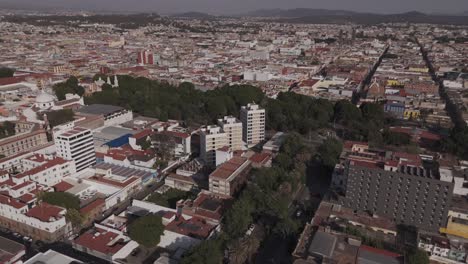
x=233, y=129
x=229, y=177
x=401, y=186
x=113, y=115
x=45, y=171
x=211, y=139
x=22, y=142
x=145, y=57
x=76, y=144
x=42, y=222
x=253, y=124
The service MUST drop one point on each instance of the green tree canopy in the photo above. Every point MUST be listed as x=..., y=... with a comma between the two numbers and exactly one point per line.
x=207, y=252
x=6, y=72
x=58, y=117
x=7, y=129
x=330, y=151
x=373, y=112
x=74, y=216
x=147, y=230
x=238, y=218
x=346, y=112
x=396, y=138
x=62, y=199
x=69, y=86
x=417, y=256
x=457, y=142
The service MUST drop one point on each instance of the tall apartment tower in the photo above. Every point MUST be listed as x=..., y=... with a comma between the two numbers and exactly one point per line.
x=233, y=129
x=400, y=186
x=253, y=124
x=211, y=139
x=76, y=144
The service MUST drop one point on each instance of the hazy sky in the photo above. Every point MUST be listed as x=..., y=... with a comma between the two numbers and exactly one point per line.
x=236, y=6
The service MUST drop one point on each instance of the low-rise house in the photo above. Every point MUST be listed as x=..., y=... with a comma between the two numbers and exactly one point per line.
x=105, y=243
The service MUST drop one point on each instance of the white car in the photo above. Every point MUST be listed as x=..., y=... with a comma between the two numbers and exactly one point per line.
x=250, y=230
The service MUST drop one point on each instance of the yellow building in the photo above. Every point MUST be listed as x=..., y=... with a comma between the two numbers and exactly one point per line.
x=456, y=227
x=411, y=113
x=393, y=83
x=418, y=69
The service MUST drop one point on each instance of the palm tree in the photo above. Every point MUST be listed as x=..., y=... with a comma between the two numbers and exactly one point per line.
x=243, y=249
x=238, y=253
x=251, y=244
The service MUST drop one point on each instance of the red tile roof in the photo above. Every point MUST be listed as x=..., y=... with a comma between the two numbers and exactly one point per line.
x=366, y=164
x=45, y=212
x=99, y=240
x=114, y=183
x=143, y=134
x=349, y=144
x=27, y=197
x=11, y=202
x=176, y=134
x=228, y=168
x=194, y=227
x=260, y=157
x=11, y=80
x=62, y=186
x=379, y=251
x=21, y=185
x=91, y=206
x=51, y=163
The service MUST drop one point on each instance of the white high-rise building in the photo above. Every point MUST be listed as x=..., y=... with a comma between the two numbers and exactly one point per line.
x=211, y=139
x=253, y=124
x=76, y=144
x=233, y=129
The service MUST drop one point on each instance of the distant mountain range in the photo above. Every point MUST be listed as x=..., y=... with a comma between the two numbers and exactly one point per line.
x=323, y=16
x=197, y=15
x=298, y=15
x=298, y=12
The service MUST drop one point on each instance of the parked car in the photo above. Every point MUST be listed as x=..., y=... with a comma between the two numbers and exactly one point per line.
x=135, y=251
x=298, y=213
x=250, y=230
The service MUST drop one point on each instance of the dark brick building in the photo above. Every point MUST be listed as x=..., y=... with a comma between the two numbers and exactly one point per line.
x=400, y=186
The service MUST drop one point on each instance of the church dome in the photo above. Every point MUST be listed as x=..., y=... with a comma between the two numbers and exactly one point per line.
x=44, y=98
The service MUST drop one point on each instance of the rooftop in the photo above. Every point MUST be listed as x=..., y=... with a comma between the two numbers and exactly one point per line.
x=51, y=257
x=9, y=249
x=370, y=255
x=123, y=171
x=228, y=168
x=46, y=212
x=100, y=240
x=100, y=109
x=194, y=227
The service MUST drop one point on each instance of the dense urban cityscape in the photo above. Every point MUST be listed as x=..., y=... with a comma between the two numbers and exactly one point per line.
x=198, y=139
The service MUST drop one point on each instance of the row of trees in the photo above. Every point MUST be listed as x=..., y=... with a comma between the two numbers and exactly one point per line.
x=164, y=101
x=289, y=112
x=457, y=142
x=265, y=201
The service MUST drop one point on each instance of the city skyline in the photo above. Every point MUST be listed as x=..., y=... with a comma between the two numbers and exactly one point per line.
x=243, y=6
